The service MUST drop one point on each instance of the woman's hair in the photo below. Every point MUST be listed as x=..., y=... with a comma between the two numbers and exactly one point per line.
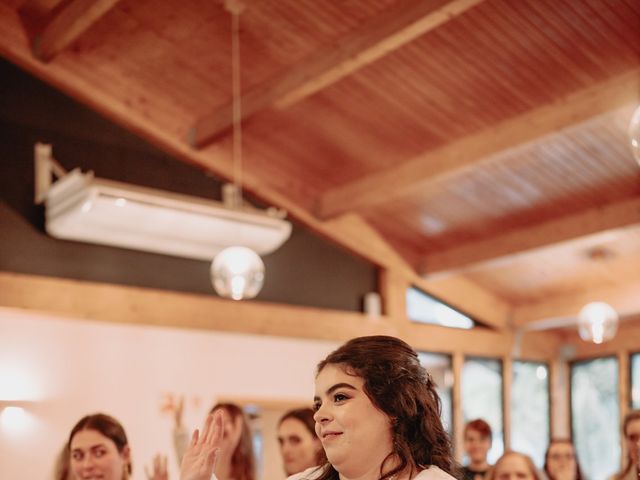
x=530, y=465
x=628, y=418
x=481, y=427
x=305, y=416
x=61, y=466
x=242, y=460
x=401, y=388
x=107, y=426
x=554, y=441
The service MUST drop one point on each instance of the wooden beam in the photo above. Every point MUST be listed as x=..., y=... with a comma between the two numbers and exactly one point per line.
x=384, y=34
x=132, y=305
x=625, y=299
x=451, y=159
x=523, y=241
x=59, y=27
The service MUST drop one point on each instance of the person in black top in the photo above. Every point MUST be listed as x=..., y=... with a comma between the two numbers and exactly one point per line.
x=477, y=442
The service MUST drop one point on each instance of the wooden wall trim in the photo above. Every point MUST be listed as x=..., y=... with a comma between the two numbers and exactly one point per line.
x=134, y=305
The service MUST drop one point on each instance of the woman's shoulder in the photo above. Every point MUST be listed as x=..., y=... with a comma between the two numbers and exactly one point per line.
x=433, y=473
x=309, y=474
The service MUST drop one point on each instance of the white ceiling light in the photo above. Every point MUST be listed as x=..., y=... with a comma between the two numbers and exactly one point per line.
x=597, y=322
x=84, y=208
x=237, y=272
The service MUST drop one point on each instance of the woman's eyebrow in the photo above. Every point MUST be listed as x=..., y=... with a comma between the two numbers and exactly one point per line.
x=333, y=388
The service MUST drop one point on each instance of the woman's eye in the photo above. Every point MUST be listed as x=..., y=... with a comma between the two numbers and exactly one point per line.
x=340, y=397
x=77, y=456
x=316, y=406
x=100, y=452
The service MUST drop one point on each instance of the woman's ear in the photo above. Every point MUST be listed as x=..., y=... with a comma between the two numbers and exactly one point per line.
x=126, y=453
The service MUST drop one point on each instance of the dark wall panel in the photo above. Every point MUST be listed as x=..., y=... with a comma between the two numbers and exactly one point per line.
x=307, y=270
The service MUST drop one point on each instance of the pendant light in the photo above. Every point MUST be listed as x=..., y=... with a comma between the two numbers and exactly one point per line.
x=597, y=322
x=237, y=272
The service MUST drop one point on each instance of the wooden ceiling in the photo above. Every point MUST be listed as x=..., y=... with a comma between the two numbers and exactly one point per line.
x=485, y=141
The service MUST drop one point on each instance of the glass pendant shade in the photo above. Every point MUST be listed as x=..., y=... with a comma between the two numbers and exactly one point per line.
x=237, y=273
x=597, y=322
x=634, y=134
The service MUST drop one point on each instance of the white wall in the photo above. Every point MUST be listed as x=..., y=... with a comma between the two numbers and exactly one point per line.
x=69, y=368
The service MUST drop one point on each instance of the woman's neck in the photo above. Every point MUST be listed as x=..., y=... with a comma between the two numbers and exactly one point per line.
x=374, y=474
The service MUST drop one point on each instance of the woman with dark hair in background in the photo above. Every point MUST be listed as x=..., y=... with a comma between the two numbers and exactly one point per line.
x=631, y=432
x=98, y=448
x=477, y=443
x=560, y=462
x=299, y=445
x=377, y=416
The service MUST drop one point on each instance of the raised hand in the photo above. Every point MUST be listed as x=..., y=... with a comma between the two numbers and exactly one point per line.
x=199, y=459
x=158, y=469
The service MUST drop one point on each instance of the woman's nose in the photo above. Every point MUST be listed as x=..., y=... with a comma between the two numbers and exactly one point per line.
x=321, y=415
x=88, y=461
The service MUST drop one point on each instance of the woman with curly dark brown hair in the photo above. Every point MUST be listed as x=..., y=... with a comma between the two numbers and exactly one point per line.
x=377, y=416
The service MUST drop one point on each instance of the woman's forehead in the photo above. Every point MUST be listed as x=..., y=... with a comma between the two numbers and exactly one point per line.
x=88, y=438
x=335, y=373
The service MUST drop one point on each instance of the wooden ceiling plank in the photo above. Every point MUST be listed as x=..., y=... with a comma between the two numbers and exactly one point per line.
x=67, y=25
x=451, y=159
x=381, y=36
x=523, y=241
x=625, y=299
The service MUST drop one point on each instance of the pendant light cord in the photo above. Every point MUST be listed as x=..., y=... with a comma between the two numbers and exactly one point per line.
x=235, y=9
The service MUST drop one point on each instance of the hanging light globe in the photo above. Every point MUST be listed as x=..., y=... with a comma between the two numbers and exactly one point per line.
x=634, y=134
x=237, y=273
x=597, y=322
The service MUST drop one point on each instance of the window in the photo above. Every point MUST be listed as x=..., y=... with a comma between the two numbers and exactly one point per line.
x=423, y=308
x=595, y=416
x=439, y=366
x=530, y=409
x=635, y=380
x=482, y=398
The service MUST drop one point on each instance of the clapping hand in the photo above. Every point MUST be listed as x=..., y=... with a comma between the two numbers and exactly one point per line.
x=159, y=468
x=199, y=459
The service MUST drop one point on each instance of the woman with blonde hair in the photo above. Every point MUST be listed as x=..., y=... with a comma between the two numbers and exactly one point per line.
x=514, y=466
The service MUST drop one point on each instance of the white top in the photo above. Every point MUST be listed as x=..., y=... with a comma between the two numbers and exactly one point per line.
x=431, y=473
